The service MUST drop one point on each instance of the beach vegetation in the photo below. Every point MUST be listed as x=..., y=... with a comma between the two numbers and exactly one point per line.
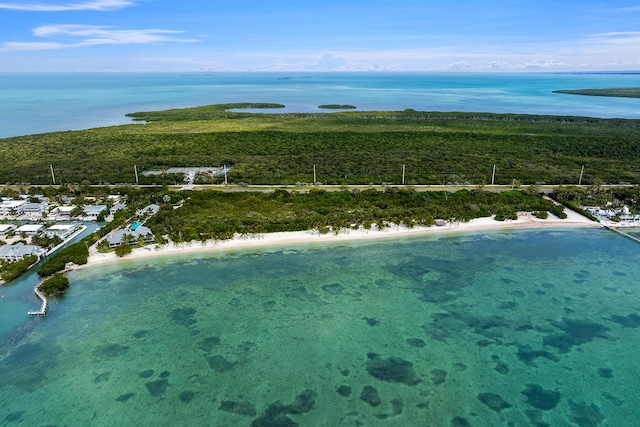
x=123, y=250
x=12, y=270
x=55, y=285
x=214, y=215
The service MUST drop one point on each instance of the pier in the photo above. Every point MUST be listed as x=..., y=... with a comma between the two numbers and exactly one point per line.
x=622, y=233
x=43, y=307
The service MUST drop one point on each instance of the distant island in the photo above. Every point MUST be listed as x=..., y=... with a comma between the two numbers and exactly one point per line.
x=632, y=92
x=337, y=107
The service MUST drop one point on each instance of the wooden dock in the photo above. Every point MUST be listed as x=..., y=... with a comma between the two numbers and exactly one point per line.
x=43, y=307
x=622, y=233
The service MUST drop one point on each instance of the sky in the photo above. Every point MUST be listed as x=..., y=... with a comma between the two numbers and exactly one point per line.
x=311, y=35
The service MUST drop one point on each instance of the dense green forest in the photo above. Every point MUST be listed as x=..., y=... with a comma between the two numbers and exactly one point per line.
x=345, y=147
x=214, y=215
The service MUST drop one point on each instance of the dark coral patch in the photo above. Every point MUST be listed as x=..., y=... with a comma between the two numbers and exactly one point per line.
x=370, y=395
x=219, y=364
x=605, y=373
x=14, y=416
x=416, y=342
x=103, y=377
x=494, y=401
x=140, y=334
x=529, y=356
x=460, y=422
x=333, y=288
x=372, y=321
x=630, y=321
x=438, y=376
x=585, y=415
x=208, y=344
x=276, y=413
x=244, y=408
x=184, y=316
x=124, y=397
x=146, y=374
x=540, y=398
x=157, y=388
x=186, y=396
x=164, y=374
x=393, y=369
x=576, y=332
x=344, y=390
x=109, y=351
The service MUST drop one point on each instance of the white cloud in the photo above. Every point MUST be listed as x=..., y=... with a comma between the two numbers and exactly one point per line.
x=546, y=63
x=96, y=5
x=90, y=35
x=459, y=66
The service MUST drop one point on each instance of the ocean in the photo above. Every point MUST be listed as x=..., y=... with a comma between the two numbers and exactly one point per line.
x=501, y=328
x=36, y=103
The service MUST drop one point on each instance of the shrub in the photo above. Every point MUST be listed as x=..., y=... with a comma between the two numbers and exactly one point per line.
x=55, y=285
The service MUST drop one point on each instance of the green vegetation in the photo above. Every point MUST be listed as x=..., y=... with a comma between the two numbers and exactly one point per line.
x=76, y=253
x=346, y=148
x=633, y=92
x=12, y=270
x=214, y=215
x=337, y=107
x=123, y=250
x=54, y=286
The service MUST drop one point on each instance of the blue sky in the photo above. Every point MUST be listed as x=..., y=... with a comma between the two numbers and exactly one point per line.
x=355, y=35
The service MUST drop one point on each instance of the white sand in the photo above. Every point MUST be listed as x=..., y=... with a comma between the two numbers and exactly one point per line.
x=525, y=219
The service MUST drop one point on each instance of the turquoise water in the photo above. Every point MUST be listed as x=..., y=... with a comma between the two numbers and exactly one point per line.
x=527, y=327
x=36, y=103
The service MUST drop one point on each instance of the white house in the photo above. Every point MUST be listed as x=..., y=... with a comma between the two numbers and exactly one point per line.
x=93, y=211
x=6, y=228
x=117, y=238
x=18, y=251
x=12, y=207
x=61, y=213
x=116, y=208
x=30, y=229
x=151, y=209
x=34, y=209
x=61, y=230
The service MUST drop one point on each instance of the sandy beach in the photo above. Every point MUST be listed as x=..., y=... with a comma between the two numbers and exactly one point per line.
x=525, y=219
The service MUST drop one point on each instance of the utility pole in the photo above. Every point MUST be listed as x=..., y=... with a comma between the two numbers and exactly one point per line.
x=53, y=176
x=135, y=169
x=493, y=176
x=581, y=172
x=224, y=168
x=314, y=174
x=403, y=169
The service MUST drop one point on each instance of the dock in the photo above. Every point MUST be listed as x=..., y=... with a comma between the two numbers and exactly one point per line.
x=622, y=233
x=43, y=307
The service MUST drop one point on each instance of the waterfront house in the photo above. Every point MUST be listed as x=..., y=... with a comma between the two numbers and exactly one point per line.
x=116, y=208
x=12, y=207
x=34, y=209
x=61, y=230
x=93, y=211
x=18, y=251
x=30, y=229
x=61, y=213
x=6, y=228
x=129, y=235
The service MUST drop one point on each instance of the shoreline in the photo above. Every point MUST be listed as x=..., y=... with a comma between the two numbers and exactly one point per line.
x=525, y=220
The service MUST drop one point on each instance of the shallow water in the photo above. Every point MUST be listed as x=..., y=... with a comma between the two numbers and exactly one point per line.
x=536, y=327
x=43, y=102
